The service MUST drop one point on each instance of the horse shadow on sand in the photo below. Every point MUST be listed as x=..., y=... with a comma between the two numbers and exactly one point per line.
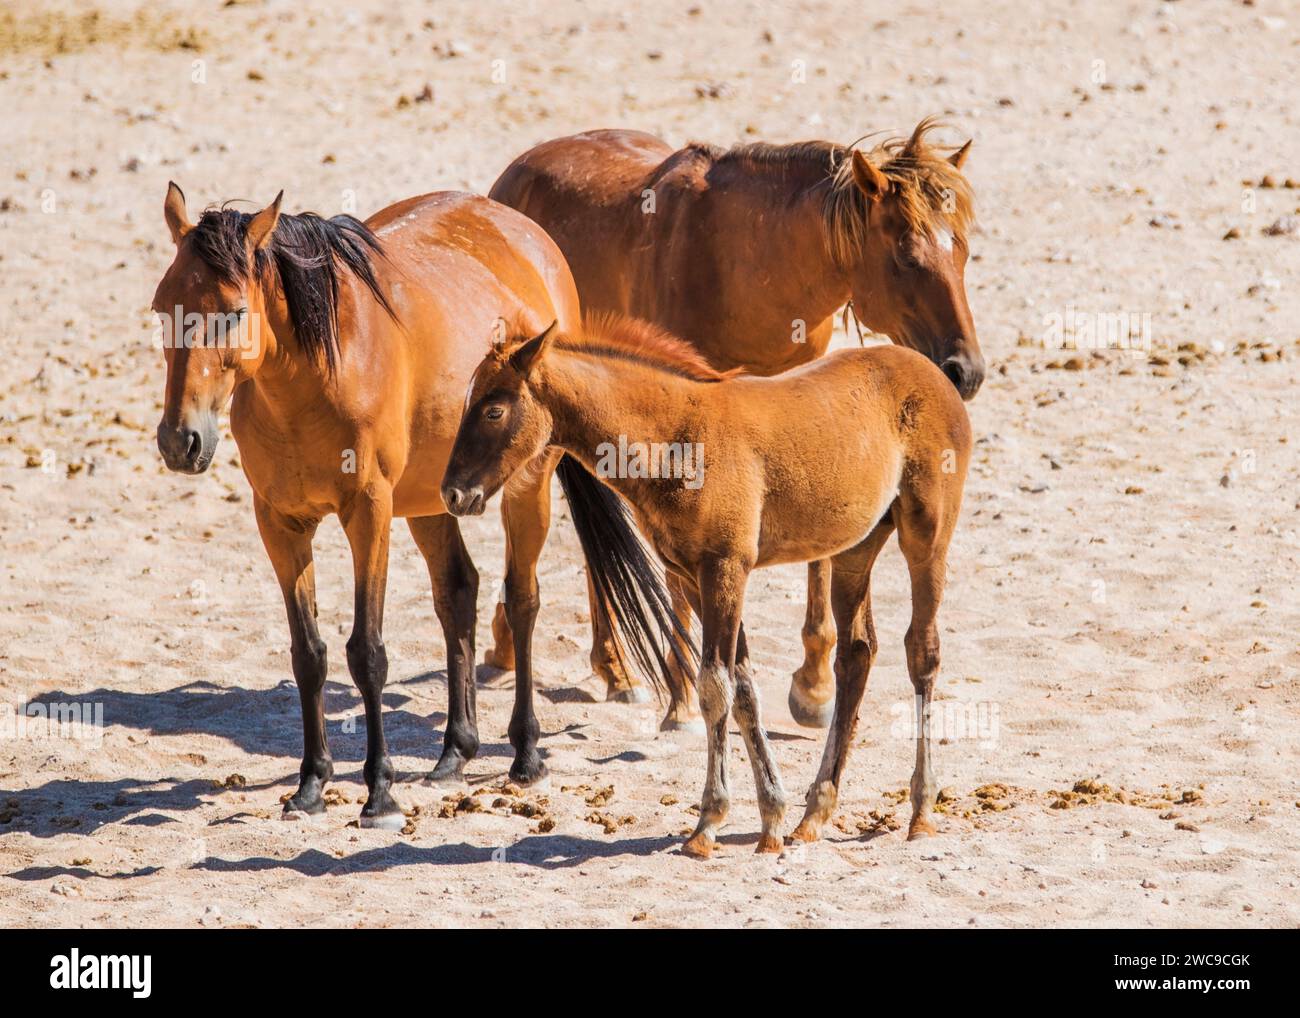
x=261, y=722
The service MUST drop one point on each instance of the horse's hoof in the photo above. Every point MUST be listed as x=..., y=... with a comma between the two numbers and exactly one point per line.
x=451, y=777
x=298, y=814
x=502, y=662
x=768, y=844
x=804, y=834
x=538, y=778
x=383, y=822
x=303, y=809
x=810, y=715
x=698, y=846
x=695, y=725
x=628, y=694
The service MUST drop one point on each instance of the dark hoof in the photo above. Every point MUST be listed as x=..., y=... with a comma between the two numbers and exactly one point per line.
x=449, y=771
x=304, y=806
x=530, y=774
x=382, y=813
x=810, y=715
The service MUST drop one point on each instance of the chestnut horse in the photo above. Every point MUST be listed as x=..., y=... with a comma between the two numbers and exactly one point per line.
x=354, y=346
x=747, y=254
x=822, y=462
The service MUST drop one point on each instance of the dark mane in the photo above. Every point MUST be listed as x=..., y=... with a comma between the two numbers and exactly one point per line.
x=303, y=257
x=605, y=334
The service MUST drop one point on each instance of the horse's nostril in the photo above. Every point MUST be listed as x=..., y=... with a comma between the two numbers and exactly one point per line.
x=956, y=373
x=193, y=447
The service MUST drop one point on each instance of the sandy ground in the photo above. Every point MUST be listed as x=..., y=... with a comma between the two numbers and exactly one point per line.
x=1121, y=617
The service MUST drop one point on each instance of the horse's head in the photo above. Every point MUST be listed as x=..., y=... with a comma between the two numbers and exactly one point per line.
x=502, y=428
x=900, y=217
x=212, y=320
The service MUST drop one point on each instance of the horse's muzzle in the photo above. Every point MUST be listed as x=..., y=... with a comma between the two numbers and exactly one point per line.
x=464, y=501
x=965, y=373
x=186, y=450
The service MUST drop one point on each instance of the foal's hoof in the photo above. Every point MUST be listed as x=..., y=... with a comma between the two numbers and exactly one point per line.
x=809, y=714
x=768, y=844
x=920, y=827
x=805, y=833
x=698, y=846
x=501, y=660
x=628, y=694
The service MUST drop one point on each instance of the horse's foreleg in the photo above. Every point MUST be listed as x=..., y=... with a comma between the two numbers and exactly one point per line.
x=288, y=545
x=721, y=588
x=812, y=688
x=856, y=650
x=767, y=779
x=526, y=512
x=366, y=522
x=455, y=595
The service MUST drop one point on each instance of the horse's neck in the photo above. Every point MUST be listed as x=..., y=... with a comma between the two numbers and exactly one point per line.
x=594, y=400
x=772, y=224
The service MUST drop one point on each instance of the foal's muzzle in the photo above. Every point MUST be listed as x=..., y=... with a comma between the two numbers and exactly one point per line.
x=464, y=501
x=187, y=450
x=965, y=373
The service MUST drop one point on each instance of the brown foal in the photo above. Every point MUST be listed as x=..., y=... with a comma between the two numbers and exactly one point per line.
x=348, y=353
x=747, y=254
x=822, y=462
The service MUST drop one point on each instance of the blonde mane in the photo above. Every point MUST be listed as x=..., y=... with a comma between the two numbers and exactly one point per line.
x=929, y=191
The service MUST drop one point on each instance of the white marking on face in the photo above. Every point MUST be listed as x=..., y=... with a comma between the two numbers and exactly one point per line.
x=205, y=372
x=943, y=240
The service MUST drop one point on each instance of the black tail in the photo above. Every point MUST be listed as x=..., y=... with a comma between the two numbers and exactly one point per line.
x=628, y=581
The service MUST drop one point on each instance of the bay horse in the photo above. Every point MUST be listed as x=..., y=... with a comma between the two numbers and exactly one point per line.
x=746, y=254
x=825, y=461
x=351, y=350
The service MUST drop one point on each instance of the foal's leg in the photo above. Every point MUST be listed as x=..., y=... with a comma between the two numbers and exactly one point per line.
x=812, y=687
x=855, y=651
x=526, y=512
x=767, y=779
x=455, y=595
x=288, y=545
x=924, y=531
x=683, y=707
x=366, y=521
x=722, y=591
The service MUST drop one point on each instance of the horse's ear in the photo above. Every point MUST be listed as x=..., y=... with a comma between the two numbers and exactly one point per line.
x=958, y=158
x=873, y=183
x=262, y=225
x=526, y=356
x=178, y=222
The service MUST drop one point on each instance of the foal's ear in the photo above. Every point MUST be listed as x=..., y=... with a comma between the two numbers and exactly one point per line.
x=526, y=356
x=262, y=225
x=958, y=158
x=873, y=183
x=178, y=222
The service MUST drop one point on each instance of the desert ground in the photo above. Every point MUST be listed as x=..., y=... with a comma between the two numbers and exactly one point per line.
x=1121, y=670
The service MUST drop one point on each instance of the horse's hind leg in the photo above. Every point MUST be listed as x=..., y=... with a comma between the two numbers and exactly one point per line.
x=683, y=709
x=812, y=687
x=924, y=531
x=767, y=779
x=367, y=522
x=288, y=545
x=526, y=512
x=455, y=595
x=855, y=651
x=606, y=662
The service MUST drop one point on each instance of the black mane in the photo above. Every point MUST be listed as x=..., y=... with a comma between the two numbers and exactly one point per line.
x=304, y=255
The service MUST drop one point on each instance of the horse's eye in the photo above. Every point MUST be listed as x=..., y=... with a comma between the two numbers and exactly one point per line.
x=495, y=413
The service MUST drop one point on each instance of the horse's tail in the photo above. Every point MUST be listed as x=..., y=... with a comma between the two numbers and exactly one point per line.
x=626, y=577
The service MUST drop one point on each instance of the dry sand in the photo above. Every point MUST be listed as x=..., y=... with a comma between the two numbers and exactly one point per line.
x=1121, y=607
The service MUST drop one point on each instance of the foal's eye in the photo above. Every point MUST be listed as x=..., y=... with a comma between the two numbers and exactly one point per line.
x=495, y=413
